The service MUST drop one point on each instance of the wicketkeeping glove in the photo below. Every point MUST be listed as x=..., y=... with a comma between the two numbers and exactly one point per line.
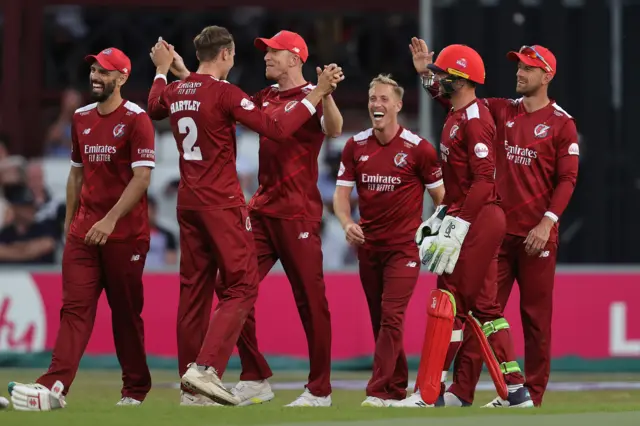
x=444, y=251
x=35, y=397
x=428, y=230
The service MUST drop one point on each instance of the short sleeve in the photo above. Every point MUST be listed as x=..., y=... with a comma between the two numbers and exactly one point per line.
x=347, y=170
x=428, y=165
x=76, y=155
x=142, y=140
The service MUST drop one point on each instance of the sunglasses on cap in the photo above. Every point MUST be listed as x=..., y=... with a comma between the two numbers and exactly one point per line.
x=532, y=53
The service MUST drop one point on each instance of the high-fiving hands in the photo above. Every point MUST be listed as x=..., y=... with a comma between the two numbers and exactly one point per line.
x=420, y=55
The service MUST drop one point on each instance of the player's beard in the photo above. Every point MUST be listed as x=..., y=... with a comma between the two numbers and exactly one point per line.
x=107, y=91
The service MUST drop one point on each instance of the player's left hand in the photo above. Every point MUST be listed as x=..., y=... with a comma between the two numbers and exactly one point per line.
x=443, y=253
x=538, y=237
x=99, y=232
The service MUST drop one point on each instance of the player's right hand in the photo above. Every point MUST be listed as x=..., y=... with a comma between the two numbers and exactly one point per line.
x=162, y=56
x=329, y=78
x=35, y=397
x=353, y=233
x=420, y=55
x=178, y=68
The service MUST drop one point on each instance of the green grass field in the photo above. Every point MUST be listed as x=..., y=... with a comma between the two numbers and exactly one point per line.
x=94, y=394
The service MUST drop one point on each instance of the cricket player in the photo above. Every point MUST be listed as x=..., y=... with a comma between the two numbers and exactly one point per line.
x=286, y=214
x=536, y=176
x=463, y=250
x=107, y=230
x=215, y=229
x=390, y=167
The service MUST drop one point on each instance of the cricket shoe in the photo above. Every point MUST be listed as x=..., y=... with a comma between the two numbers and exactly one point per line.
x=36, y=397
x=373, y=401
x=413, y=401
x=195, y=400
x=307, y=399
x=128, y=401
x=451, y=400
x=519, y=398
x=250, y=392
x=204, y=380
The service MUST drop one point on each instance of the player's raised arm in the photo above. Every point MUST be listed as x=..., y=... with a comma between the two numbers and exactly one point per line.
x=330, y=117
x=422, y=57
x=244, y=111
x=479, y=137
x=162, y=57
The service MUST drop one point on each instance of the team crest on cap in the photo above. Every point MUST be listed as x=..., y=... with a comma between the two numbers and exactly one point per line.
x=290, y=105
x=400, y=159
x=118, y=131
x=541, y=131
x=454, y=131
x=107, y=51
x=462, y=62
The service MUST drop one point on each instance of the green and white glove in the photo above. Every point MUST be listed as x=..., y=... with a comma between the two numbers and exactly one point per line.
x=444, y=251
x=428, y=230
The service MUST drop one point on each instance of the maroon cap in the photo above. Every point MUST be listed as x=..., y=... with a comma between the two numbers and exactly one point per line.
x=285, y=40
x=535, y=56
x=111, y=59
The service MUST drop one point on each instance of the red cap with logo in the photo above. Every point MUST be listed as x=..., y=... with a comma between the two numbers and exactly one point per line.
x=535, y=56
x=111, y=59
x=285, y=40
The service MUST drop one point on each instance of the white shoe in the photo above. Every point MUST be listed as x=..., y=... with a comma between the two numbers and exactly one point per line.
x=129, y=401
x=307, y=399
x=374, y=401
x=413, y=401
x=252, y=392
x=205, y=381
x=195, y=400
x=518, y=398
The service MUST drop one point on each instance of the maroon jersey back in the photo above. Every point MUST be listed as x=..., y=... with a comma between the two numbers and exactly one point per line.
x=390, y=180
x=108, y=147
x=540, y=152
x=467, y=155
x=288, y=174
x=205, y=134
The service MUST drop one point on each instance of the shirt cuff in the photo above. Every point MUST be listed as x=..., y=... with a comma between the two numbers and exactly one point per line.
x=162, y=76
x=310, y=107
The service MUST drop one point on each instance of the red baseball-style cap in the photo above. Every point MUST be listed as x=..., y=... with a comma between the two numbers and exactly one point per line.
x=285, y=40
x=111, y=59
x=535, y=56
